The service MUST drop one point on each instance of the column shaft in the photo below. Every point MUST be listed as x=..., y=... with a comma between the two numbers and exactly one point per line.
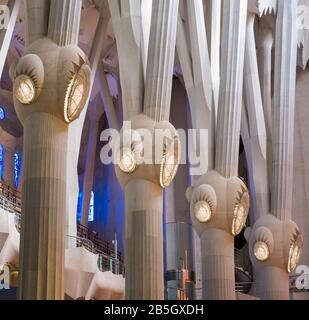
x=265, y=72
x=257, y=128
x=161, y=58
x=144, y=241
x=213, y=24
x=231, y=88
x=37, y=19
x=64, y=21
x=284, y=105
x=273, y=284
x=218, y=265
x=43, y=208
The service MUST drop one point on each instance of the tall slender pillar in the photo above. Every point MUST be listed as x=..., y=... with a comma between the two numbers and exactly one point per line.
x=95, y=114
x=45, y=81
x=219, y=199
x=275, y=241
x=144, y=241
x=231, y=88
x=143, y=183
x=161, y=55
x=284, y=107
x=42, y=252
x=256, y=146
x=266, y=44
x=213, y=26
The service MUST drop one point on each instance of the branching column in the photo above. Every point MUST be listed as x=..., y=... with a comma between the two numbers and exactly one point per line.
x=143, y=187
x=46, y=110
x=275, y=233
x=219, y=199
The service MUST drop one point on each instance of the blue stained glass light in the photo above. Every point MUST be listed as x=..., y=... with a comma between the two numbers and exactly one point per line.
x=17, y=168
x=91, y=208
x=1, y=162
x=2, y=114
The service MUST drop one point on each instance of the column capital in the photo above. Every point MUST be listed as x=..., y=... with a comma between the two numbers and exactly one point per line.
x=217, y=202
x=274, y=243
x=147, y=150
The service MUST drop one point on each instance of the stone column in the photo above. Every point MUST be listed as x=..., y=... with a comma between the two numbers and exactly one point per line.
x=37, y=19
x=265, y=69
x=266, y=43
x=64, y=21
x=161, y=55
x=279, y=237
x=256, y=147
x=142, y=184
x=43, y=208
x=219, y=200
x=52, y=74
x=95, y=113
x=144, y=241
x=218, y=265
x=284, y=106
x=213, y=24
x=231, y=87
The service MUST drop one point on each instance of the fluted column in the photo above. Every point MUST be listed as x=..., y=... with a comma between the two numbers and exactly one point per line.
x=257, y=148
x=143, y=185
x=46, y=117
x=218, y=263
x=64, y=21
x=213, y=23
x=161, y=55
x=37, y=19
x=144, y=241
x=284, y=105
x=277, y=283
x=217, y=190
x=276, y=231
x=43, y=207
x=231, y=87
x=95, y=114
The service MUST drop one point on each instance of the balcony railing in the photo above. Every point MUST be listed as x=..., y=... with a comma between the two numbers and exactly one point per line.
x=10, y=201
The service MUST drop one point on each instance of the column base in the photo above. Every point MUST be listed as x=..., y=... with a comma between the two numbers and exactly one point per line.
x=218, y=265
x=144, y=241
